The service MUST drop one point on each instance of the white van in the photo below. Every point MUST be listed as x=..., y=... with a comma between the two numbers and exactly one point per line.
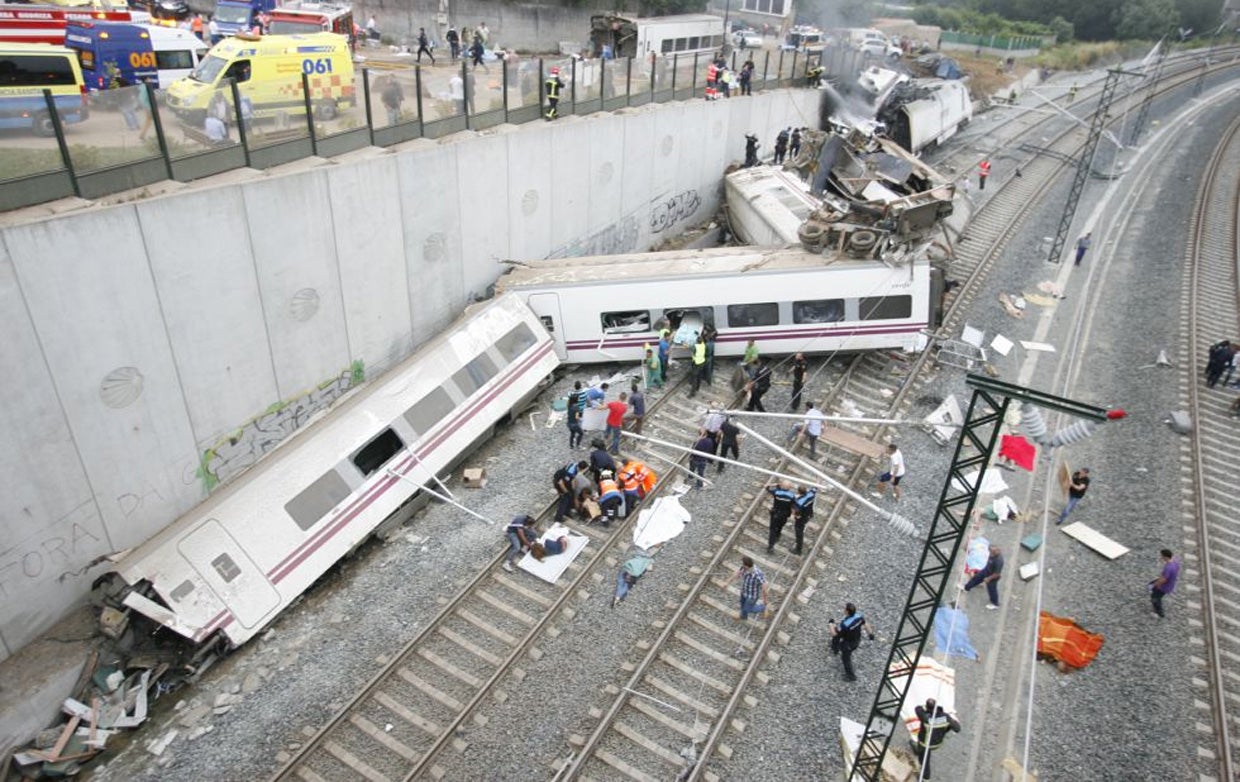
x=873, y=43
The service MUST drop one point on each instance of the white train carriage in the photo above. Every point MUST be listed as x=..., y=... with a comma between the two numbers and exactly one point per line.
x=229, y=566
x=767, y=206
x=609, y=308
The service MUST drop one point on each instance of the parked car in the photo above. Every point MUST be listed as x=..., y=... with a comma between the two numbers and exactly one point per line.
x=747, y=39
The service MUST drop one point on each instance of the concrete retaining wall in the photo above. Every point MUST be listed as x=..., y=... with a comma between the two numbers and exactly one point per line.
x=158, y=348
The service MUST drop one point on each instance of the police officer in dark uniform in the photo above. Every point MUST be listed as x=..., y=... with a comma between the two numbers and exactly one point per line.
x=803, y=510
x=554, y=85
x=781, y=509
x=846, y=637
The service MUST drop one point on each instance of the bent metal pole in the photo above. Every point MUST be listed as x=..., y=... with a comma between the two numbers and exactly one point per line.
x=437, y=495
x=836, y=418
x=898, y=521
x=714, y=458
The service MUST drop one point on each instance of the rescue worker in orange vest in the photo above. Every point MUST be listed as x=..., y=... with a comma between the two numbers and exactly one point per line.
x=631, y=484
x=610, y=499
x=554, y=85
x=983, y=171
x=712, y=79
x=195, y=26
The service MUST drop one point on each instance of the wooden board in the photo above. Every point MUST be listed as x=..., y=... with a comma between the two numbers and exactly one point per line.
x=1094, y=540
x=1065, y=477
x=852, y=442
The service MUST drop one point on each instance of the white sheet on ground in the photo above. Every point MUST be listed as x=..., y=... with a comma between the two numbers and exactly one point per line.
x=931, y=679
x=663, y=520
x=553, y=566
x=1004, y=507
x=993, y=483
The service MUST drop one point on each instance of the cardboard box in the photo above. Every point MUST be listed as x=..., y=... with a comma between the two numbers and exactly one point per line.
x=474, y=478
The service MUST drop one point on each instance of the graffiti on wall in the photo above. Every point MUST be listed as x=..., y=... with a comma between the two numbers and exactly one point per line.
x=620, y=237
x=56, y=551
x=232, y=454
x=666, y=212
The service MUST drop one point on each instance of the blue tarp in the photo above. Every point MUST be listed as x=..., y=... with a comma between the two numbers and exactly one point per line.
x=948, y=69
x=951, y=633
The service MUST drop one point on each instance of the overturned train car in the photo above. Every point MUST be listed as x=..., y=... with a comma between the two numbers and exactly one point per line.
x=227, y=568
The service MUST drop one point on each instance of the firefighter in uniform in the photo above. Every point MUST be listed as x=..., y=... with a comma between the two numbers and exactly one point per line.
x=935, y=725
x=554, y=85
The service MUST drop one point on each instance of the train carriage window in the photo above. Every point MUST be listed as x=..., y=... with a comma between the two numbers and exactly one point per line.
x=765, y=314
x=475, y=374
x=695, y=42
x=819, y=311
x=667, y=45
x=630, y=321
x=226, y=567
x=316, y=500
x=376, y=453
x=518, y=339
x=430, y=410
x=694, y=317
x=886, y=307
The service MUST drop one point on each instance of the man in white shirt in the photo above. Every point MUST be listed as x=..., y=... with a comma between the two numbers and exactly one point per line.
x=895, y=471
x=813, y=428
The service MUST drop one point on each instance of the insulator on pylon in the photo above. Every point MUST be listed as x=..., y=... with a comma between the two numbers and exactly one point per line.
x=902, y=525
x=1032, y=423
x=1073, y=433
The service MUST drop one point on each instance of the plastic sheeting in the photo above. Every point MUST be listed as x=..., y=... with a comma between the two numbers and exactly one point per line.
x=1065, y=641
x=662, y=521
x=951, y=633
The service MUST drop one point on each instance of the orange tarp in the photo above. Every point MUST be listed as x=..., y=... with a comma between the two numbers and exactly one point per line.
x=1064, y=640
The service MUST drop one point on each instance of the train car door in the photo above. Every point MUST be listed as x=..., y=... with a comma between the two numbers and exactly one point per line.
x=547, y=307
x=230, y=573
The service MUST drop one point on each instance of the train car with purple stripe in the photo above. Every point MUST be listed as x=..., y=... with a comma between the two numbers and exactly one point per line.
x=788, y=300
x=227, y=568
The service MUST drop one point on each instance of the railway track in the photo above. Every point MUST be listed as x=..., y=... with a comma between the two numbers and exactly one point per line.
x=1211, y=310
x=415, y=707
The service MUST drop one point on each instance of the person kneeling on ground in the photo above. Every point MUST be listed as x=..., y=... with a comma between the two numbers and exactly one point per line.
x=520, y=532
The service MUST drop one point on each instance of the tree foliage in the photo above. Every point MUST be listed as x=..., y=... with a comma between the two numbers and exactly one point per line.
x=1090, y=20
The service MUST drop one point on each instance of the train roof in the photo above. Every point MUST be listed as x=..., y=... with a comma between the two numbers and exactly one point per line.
x=713, y=262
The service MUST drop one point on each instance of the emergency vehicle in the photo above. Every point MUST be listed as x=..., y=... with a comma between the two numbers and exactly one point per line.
x=117, y=54
x=46, y=23
x=30, y=68
x=268, y=71
x=306, y=18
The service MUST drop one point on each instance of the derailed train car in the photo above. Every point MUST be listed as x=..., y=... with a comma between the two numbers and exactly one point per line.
x=228, y=567
x=787, y=300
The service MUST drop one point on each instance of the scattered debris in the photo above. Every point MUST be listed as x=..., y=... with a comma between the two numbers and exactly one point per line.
x=1180, y=422
x=1001, y=344
x=1013, y=305
x=474, y=478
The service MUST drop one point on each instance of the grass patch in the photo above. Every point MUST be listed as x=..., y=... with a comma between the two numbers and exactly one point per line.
x=18, y=163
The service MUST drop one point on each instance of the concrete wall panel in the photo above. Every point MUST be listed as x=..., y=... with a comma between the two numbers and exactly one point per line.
x=637, y=173
x=570, y=182
x=604, y=174
x=482, y=176
x=95, y=309
x=370, y=249
x=532, y=201
x=51, y=523
x=299, y=280
x=208, y=290
x=433, y=230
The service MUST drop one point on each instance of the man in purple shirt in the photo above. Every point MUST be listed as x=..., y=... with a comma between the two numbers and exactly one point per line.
x=1165, y=583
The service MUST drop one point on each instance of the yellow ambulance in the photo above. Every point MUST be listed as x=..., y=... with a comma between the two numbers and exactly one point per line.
x=268, y=71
